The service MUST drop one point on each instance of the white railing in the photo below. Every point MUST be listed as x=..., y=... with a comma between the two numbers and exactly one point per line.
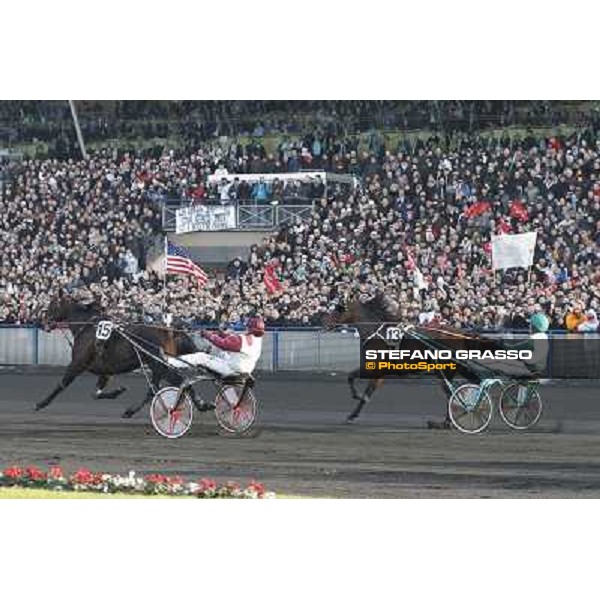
x=249, y=215
x=570, y=355
x=282, y=349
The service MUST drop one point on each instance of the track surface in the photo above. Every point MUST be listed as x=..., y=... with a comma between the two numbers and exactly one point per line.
x=301, y=445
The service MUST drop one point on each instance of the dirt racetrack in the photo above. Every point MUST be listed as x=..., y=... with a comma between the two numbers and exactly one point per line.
x=302, y=446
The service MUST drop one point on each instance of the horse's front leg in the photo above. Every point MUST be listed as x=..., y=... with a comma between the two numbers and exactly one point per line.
x=152, y=389
x=446, y=381
x=352, y=377
x=68, y=377
x=374, y=384
x=101, y=384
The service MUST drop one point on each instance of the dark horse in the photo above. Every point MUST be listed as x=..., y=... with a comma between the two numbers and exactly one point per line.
x=367, y=316
x=115, y=355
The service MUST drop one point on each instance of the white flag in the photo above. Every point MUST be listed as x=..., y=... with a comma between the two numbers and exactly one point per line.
x=513, y=250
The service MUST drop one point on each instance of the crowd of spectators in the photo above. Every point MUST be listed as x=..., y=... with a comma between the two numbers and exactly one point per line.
x=67, y=224
x=417, y=229
x=262, y=191
x=192, y=123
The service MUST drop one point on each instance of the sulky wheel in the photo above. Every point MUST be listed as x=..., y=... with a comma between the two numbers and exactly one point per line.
x=470, y=408
x=520, y=405
x=171, y=412
x=235, y=414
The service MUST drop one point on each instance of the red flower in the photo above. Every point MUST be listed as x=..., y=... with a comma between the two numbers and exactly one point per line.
x=35, y=474
x=207, y=484
x=257, y=487
x=155, y=478
x=13, y=472
x=85, y=477
x=55, y=473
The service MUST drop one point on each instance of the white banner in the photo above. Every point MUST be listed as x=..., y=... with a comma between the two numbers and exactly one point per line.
x=204, y=218
x=513, y=250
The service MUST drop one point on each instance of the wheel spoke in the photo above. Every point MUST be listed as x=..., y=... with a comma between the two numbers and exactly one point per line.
x=520, y=406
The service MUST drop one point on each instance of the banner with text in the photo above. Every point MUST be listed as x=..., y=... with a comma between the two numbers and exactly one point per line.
x=389, y=350
x=510, y=251
x=204, y=218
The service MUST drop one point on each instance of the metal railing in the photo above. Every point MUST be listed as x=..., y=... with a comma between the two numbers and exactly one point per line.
x=249, y=215
x=295, y=349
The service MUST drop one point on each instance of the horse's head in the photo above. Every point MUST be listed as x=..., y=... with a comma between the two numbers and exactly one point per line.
x=64, y=308
x=346, y=310
x=57, y=311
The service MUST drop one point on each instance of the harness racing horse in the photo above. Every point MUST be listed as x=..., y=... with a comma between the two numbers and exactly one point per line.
x=116, y=354
x=367, y=317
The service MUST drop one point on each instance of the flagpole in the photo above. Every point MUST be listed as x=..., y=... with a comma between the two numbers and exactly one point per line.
x=164, y=294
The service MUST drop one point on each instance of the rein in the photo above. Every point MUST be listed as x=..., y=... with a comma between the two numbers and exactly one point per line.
x=455, y=334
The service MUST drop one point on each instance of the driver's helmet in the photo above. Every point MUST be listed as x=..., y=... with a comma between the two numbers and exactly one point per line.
x=256, y=326
x=539, y=322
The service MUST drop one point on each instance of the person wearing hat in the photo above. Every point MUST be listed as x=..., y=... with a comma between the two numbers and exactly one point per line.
x=539, y=324
x=240, y=353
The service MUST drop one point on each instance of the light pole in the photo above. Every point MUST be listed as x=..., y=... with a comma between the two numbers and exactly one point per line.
x=78, y=130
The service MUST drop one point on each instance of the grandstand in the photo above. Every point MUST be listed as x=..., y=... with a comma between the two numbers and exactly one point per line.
x=327, y=197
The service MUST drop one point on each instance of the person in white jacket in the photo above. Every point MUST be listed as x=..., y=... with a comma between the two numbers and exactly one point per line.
x=239, y=353
x=590, y=325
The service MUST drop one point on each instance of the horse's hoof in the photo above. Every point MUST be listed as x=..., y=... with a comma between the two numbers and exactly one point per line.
x=350, y=420
x=128, y=414
x=445, y=424
x=39, y=406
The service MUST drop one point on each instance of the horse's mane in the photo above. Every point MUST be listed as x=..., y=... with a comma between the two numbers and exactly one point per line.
x=377, y=306
x=79, y=310
x=90, y=308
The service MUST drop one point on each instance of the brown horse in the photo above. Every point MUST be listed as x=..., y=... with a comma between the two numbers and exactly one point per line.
x=116, y=354
x=367, y=317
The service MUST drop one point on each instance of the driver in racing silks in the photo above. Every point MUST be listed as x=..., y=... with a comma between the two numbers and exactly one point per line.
x=239, y=353
x=537, y=343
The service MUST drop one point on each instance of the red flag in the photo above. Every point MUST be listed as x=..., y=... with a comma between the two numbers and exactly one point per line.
x=411, y=264
x=476, y=209
x=270, y=279
x=518, y=211
x=554, y=144
x=503, y=227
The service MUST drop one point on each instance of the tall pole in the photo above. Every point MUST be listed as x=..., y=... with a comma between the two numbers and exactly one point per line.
x=167, y=318
x=78, y=130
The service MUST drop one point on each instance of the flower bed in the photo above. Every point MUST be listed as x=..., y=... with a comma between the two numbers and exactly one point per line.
x=105, y=483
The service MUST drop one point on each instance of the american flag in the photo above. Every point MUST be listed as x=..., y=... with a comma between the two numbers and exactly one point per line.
x=178, y=260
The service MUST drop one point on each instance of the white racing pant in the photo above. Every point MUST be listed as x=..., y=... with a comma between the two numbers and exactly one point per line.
x=202, y=359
